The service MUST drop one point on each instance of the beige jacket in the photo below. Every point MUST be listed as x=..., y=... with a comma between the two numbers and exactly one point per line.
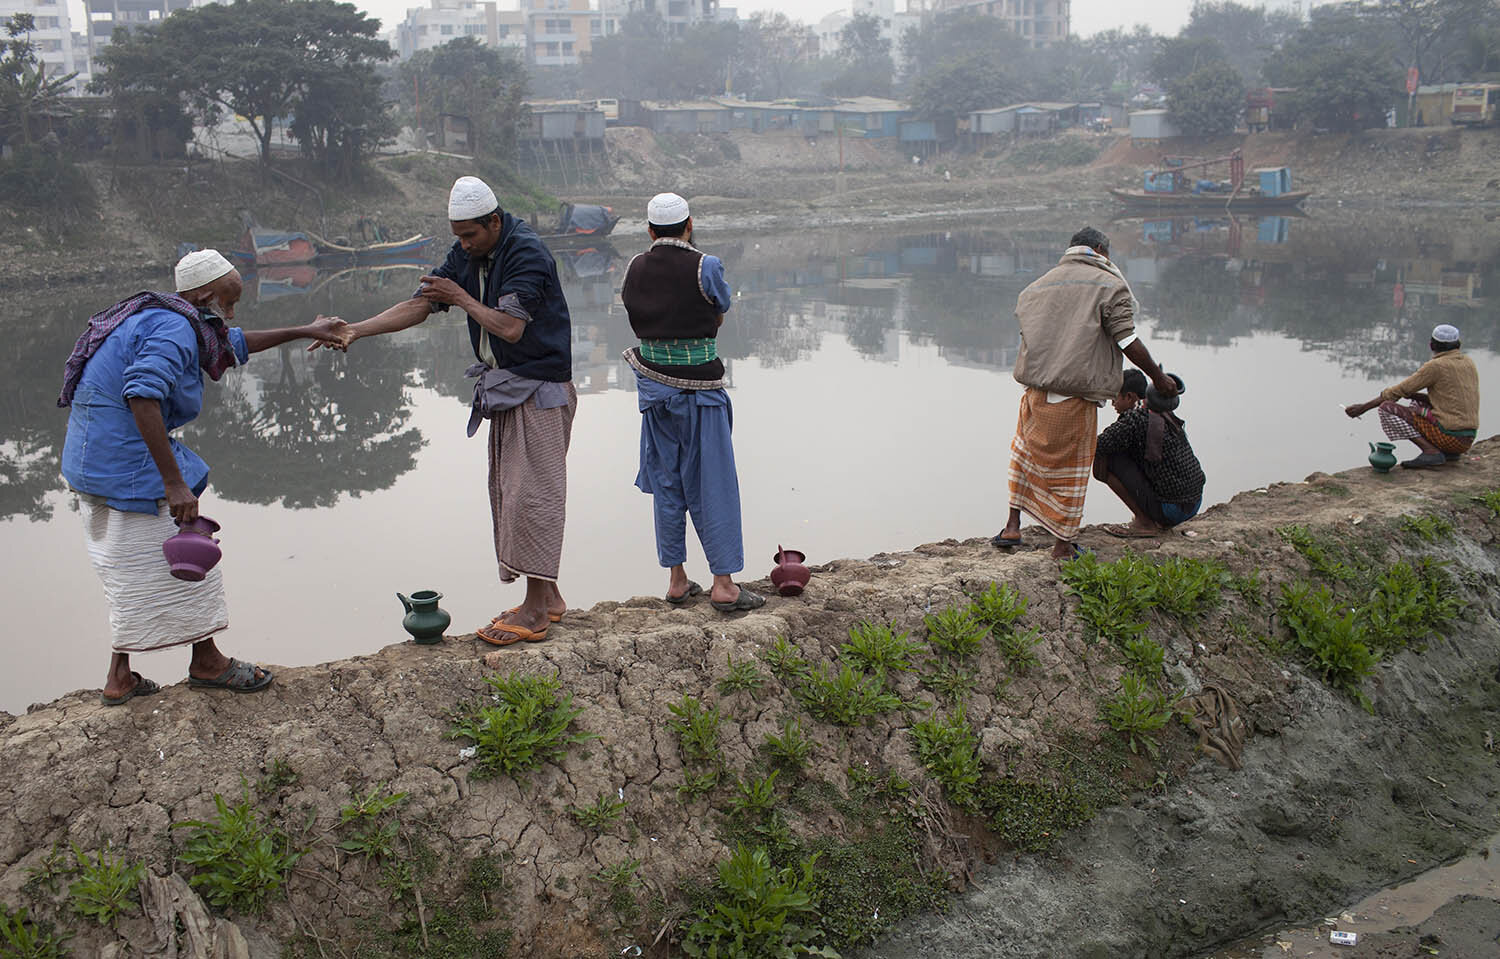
x=1452, y=384
x=1071, y=319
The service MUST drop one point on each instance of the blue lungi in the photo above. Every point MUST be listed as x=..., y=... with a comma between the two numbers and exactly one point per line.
x=687, y=465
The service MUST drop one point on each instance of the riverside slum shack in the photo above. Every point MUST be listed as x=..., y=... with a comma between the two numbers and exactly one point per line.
x=1029, y=119
x=1151, y=126
x=855, y=116
x=687, y=116
x=926, y=138
x=1433, y=105
x=570, y=121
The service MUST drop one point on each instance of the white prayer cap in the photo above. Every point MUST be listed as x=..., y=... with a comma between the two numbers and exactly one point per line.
x=470, y=199
x=666, y=209
x=1443, y=333
x=200, y=268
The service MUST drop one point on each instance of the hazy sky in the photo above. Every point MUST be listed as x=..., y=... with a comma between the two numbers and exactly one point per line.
x=1089, y=16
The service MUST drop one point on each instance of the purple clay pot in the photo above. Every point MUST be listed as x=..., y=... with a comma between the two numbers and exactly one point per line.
x=193, y=551
x=789, y=575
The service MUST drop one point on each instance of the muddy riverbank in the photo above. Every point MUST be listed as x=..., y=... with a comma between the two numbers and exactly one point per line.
x=1067, y=829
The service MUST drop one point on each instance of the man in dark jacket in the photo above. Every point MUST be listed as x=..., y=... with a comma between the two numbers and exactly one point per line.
x=1145, y=457
x=499, y=272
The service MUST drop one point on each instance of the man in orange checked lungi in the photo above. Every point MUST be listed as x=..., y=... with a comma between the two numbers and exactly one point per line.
x=1077, y=321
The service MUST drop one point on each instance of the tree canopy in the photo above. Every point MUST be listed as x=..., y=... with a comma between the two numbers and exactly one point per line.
x=1208, y=101
x=1342, y=75
x=261, y=59
x=468, y=78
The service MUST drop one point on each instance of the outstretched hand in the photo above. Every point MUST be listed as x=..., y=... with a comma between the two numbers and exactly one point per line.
x=330, y=332
x=1355, y=410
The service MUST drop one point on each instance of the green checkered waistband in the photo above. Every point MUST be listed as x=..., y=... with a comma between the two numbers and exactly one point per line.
x=689, y=352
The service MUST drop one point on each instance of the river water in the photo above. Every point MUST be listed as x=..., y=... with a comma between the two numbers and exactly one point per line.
x=874, y=404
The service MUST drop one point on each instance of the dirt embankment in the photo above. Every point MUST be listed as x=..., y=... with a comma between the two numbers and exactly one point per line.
x=1136, y=854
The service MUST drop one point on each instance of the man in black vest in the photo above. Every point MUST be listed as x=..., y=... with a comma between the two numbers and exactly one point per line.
x=501, y=275
x=676, y=298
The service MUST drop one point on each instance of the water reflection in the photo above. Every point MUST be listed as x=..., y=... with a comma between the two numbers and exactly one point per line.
x=849, y=350
x=304, y=429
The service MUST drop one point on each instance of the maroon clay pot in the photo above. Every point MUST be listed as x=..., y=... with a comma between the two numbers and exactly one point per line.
x=789, y=575
x=193, y=551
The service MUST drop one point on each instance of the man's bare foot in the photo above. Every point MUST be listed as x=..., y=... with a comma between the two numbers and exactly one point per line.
x=1062, y=549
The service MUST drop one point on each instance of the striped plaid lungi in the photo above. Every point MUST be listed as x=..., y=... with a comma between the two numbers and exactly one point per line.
x=529, y=487
x=1051, y=459
x=1425, y=425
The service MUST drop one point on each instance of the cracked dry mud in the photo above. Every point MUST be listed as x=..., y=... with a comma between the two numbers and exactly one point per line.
x=1332, y=801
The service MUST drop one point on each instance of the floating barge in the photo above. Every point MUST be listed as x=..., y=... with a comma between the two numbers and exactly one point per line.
x=1185, y=183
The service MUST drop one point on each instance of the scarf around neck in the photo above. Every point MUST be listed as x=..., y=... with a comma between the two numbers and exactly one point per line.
x=215, y=354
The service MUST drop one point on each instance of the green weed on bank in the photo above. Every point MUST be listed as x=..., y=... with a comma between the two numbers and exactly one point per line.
x=106, y=885
x=239, y=860
x=23, y=937
x=1115, y=598
x=759, y=912
x=529, y=723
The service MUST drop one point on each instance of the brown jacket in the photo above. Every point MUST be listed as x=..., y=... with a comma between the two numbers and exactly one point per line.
x=1071, y=319
x=1452, y=384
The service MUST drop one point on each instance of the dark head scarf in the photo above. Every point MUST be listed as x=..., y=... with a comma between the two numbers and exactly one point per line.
x=215, y=355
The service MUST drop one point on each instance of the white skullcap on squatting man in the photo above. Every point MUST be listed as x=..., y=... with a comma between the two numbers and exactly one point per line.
x=470, y=199
x=666, y=209
x=200, y=268
x=1444, y=333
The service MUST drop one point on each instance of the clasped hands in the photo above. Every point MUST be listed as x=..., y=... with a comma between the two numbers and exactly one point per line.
x=331, y=332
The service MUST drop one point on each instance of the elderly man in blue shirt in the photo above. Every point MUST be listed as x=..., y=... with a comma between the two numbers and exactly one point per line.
x=676, y=298
x=500, y=273
x=135, y=375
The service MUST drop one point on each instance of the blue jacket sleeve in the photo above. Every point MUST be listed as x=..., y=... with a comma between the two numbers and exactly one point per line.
x=711, y=279
x=448, y=271
x=166, y=349
x=526, y=272
x=240, y=347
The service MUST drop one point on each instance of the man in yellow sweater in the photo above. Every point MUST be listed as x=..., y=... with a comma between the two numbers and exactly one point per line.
x=1443, y=415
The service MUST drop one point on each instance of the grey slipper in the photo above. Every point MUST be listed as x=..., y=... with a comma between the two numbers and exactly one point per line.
x=238, y=677
x=1425, y=461
x=747, y=599
x=693, y=589
x=142, y=687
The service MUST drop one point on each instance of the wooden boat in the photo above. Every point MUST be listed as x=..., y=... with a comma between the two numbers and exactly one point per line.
x=265, y=247
x=413, y=246
x=1177, y=184
x=1245, y=201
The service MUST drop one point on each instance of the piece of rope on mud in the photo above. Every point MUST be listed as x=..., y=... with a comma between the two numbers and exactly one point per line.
x=1216, y=719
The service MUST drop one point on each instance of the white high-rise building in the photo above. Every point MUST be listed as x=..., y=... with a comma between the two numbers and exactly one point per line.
x=53, y=37
x=445, y=20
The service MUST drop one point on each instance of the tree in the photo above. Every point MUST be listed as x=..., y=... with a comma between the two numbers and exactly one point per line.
x=1246, y=35
x=865, y=67
x=1341, y=76
x=1431, y=35
x=255, y=58
x=468, y=78
x=1208, y=101
x=773, y=45
x=1177, y=57
x=340, y=119
x=142, y=90
x=1128, y=53
x=962, y=62
x=27, y=94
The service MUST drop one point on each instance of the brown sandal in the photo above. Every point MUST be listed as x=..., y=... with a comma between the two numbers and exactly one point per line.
x=506, y=634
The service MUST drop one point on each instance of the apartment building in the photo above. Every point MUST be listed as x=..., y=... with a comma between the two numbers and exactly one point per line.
x=559, y=33
x=445, y=20
x=53, y=37
x=681, y=14
x=1041, y=22
x=105, y=16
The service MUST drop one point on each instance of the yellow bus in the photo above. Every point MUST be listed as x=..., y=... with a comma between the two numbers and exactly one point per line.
x=1474, y=104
